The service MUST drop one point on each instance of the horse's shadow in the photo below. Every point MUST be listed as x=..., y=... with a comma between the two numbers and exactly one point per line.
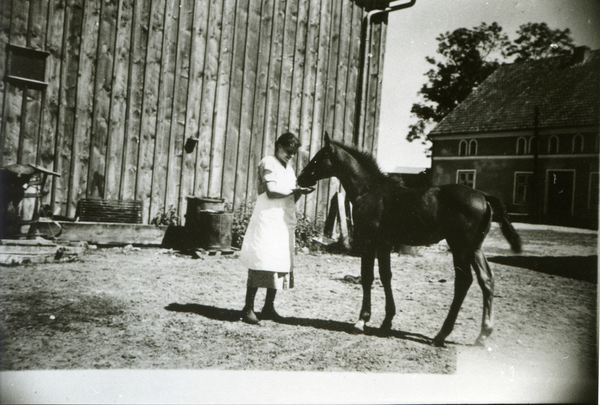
x=229, y=315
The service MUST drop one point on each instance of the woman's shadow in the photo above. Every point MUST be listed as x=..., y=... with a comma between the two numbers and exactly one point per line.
x=229, y=315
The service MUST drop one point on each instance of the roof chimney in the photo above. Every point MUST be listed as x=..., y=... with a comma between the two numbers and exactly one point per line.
x=580, y=55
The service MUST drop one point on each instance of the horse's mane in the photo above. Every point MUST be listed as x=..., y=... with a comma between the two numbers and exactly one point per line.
x=366, y=159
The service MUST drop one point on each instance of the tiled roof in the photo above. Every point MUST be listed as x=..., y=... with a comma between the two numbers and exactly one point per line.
x=566, y=90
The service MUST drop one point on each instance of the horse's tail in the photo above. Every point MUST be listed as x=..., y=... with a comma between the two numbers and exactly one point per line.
x=500, y=215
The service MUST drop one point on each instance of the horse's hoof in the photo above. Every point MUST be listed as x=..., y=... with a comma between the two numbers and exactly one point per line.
x=480, y=342
x=438, y=342
x=386, y=326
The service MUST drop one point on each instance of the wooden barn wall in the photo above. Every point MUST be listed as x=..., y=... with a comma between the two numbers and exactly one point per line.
x=129, y=81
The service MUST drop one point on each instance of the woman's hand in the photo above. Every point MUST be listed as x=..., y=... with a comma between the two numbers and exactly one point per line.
x=300, y=191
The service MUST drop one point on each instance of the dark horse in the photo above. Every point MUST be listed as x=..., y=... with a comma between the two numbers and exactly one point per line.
x=385, y=212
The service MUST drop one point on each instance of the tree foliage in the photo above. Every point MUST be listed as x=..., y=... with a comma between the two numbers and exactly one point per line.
x=469, y=56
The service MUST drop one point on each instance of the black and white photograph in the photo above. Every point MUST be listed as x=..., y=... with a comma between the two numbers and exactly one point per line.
x=299, y=202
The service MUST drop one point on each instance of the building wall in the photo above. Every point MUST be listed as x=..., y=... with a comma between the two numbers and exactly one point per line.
x=129, y=81
x=497, y=163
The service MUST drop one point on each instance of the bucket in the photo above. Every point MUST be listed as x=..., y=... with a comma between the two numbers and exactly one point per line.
x=207, y=225
x=215, y=230
x=197, y=204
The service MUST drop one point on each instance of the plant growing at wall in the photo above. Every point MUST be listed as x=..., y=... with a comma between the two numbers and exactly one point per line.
x=167, y=217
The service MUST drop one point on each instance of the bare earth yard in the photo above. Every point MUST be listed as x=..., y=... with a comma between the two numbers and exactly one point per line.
x=153, y=309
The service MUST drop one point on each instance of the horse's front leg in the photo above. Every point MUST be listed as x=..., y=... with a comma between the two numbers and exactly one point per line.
x=385, y=274
x=366, y=278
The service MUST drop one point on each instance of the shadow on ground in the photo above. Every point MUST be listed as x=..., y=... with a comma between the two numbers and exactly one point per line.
x=583, y=268
x=223, y=314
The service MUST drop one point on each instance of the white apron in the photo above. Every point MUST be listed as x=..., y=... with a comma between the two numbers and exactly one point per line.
x=269, y=240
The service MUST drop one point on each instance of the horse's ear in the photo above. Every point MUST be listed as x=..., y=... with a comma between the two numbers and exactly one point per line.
x=327, y=140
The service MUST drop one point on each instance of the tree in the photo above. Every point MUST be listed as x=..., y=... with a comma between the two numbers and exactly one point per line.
x=537, y=40
x=469, y=56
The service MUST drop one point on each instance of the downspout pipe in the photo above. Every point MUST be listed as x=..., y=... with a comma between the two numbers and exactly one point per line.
x=366, y=40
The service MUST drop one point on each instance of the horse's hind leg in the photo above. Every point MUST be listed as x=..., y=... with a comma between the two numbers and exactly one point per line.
x=366, y=277
x=462, y=281
x=385, y=274
x=485, y=278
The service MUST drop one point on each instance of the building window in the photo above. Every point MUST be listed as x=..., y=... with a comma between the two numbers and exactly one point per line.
x=472, y=147
x=522, y=191
x=578, y=143
x=462, y=148
x=553, y=144
x=521, y=146
x=466, y=177
x=594, y=191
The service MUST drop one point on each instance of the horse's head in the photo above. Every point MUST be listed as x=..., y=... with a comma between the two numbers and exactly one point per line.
x=320, y=166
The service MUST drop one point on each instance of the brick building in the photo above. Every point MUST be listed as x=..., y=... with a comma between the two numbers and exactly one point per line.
x=529, y=135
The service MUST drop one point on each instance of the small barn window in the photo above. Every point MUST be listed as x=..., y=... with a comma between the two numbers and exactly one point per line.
x=553, y=144
x=578, y=143
x=521, y=146
x=466, y=177
x=26, y=67
x=472, y=147
x=462, y=148
x=522, y=190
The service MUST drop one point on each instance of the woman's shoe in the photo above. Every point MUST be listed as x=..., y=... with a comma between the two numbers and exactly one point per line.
x=248, y=316
x=268, y=312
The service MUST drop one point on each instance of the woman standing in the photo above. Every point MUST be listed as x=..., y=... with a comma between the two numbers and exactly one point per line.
x=268, y=247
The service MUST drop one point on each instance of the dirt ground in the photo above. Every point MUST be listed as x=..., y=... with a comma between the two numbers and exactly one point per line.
x=149, y=308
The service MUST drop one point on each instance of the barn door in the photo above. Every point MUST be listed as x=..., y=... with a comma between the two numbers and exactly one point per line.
x=559, y=203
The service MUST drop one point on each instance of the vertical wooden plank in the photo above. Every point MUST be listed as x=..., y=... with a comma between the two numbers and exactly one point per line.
x=353, y=73
x=377, y=101
x=298, y=73
x=369, y=104
x=197, y=55
x=274, y=79
x=165, y=109
x=182, y=70
x=115, y=145
x=49, y=137
x=140, y=27
x=84, y=105
x=260, y=95
x=209, y=89
x=320, y=95
x=287, y=68
x=247, y=137
x=346, y=40
x=6, y=11
x=73, y=18
x=236, y=93
x=331, y=95
x=147, y=135
x=222, y=99
x=12, y=142
x=308, y=93
x=102, y=97
x=36, y=39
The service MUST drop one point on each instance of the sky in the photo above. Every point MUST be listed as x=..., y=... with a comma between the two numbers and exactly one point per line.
x=412, y=36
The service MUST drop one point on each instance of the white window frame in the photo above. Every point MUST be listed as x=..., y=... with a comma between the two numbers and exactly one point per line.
x=555, y=152
x=515, y=188
x=465, y=150
x=473, y=142
x=578, y=136
x=524, y=141
x=459, y=172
